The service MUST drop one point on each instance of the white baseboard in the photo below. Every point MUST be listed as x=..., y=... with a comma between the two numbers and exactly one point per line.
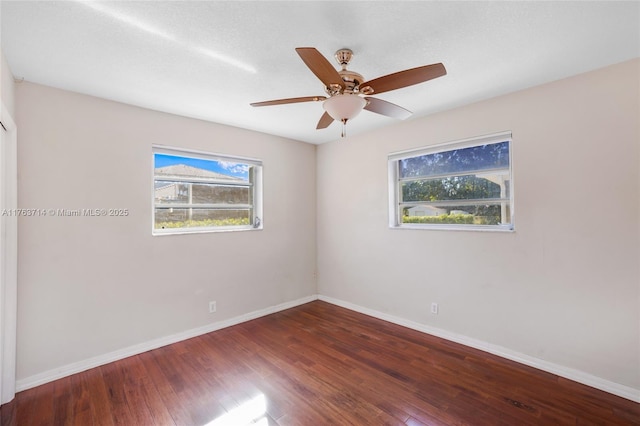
x=559, y=370
x=569, y=373
x=77, y=367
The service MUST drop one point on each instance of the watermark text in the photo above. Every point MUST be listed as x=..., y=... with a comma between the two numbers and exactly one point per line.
x=64, y=212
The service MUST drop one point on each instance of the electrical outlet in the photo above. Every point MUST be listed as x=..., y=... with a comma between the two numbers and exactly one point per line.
x=434, y=308
x=212, y=306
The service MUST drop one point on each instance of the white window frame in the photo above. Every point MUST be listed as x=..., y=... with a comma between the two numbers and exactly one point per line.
x=395, y=184
x=255, y=185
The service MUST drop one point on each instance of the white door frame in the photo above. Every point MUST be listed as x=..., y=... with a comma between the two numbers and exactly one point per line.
x=8, y=254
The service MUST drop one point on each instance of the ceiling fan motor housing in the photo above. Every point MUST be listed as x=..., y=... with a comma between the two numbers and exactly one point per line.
x=352, y=80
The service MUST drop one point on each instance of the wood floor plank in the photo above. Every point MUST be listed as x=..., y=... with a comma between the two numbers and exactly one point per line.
x=136, y=392
x=82, y=405
x=173, y=404
x=8, y=413
x=62, y=402
x=317, y=364
x=187, y=385
x=43, y=406
x=99, y=402
x=114, y=380
x=231, y=383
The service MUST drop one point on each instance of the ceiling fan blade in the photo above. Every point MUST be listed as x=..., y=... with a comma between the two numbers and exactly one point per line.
x=386, y=108
x=325, y=121
x=405, y=78
x=290, y=101
x=320, y=66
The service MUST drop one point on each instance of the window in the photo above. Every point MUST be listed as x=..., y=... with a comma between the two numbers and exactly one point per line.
x=200, y=192
x=461, y=185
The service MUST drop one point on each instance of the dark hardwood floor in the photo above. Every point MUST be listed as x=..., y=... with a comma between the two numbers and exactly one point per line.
x=316, y=364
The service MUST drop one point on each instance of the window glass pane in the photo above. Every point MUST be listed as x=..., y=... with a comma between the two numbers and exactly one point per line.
x=201, y=192
x=170, y=218
x=458, y=185
x=465, y=187
x=186, y=167
x=167, y=192
x=455, y=161
x=467, y=214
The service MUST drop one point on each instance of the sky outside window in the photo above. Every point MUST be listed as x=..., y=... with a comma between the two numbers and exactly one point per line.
x=228, y=168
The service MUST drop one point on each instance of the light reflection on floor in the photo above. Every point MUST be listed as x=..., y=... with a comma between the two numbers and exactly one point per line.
x=251, y=412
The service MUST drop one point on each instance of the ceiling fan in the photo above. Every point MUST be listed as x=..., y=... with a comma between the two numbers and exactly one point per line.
x=349, y=92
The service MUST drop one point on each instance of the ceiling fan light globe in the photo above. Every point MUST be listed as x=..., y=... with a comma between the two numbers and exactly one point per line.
x=344, y=107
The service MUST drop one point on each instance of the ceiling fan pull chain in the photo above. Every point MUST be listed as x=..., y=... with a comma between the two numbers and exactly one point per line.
x=344, y=128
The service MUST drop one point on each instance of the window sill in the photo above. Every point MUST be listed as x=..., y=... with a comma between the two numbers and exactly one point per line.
x=423, y=227
x=185, y=231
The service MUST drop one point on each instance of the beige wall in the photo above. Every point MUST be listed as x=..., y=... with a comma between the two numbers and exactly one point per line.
x=89, y=286
x=7, y=86
x=565, y=286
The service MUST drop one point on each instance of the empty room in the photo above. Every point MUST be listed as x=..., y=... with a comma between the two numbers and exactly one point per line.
x=319, y=213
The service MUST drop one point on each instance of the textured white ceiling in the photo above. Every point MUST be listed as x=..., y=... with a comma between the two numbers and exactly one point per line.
x=210, y=59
